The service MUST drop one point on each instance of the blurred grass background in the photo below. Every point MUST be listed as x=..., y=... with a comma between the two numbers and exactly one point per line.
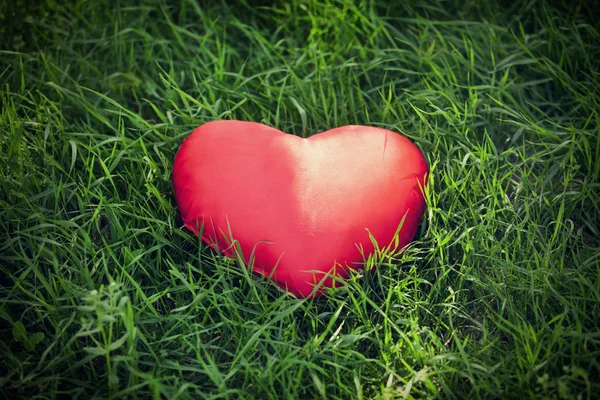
x=103, y=295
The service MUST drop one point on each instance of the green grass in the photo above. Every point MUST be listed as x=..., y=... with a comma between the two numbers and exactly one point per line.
x=104, y=295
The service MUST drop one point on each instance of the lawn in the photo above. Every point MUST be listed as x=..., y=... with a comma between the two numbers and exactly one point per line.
x=103, y=294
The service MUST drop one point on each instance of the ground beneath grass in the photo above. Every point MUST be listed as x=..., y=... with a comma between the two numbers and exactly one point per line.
x=104, y=295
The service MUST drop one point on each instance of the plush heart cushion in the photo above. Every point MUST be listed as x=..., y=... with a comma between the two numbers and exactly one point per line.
x=300, y=209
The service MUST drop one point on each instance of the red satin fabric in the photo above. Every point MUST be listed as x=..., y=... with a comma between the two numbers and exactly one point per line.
x=302, y=205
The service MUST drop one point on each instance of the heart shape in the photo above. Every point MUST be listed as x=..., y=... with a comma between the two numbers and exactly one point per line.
x=301, y=210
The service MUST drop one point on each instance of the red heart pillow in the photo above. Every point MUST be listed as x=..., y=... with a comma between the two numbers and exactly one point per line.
x=303, y=207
